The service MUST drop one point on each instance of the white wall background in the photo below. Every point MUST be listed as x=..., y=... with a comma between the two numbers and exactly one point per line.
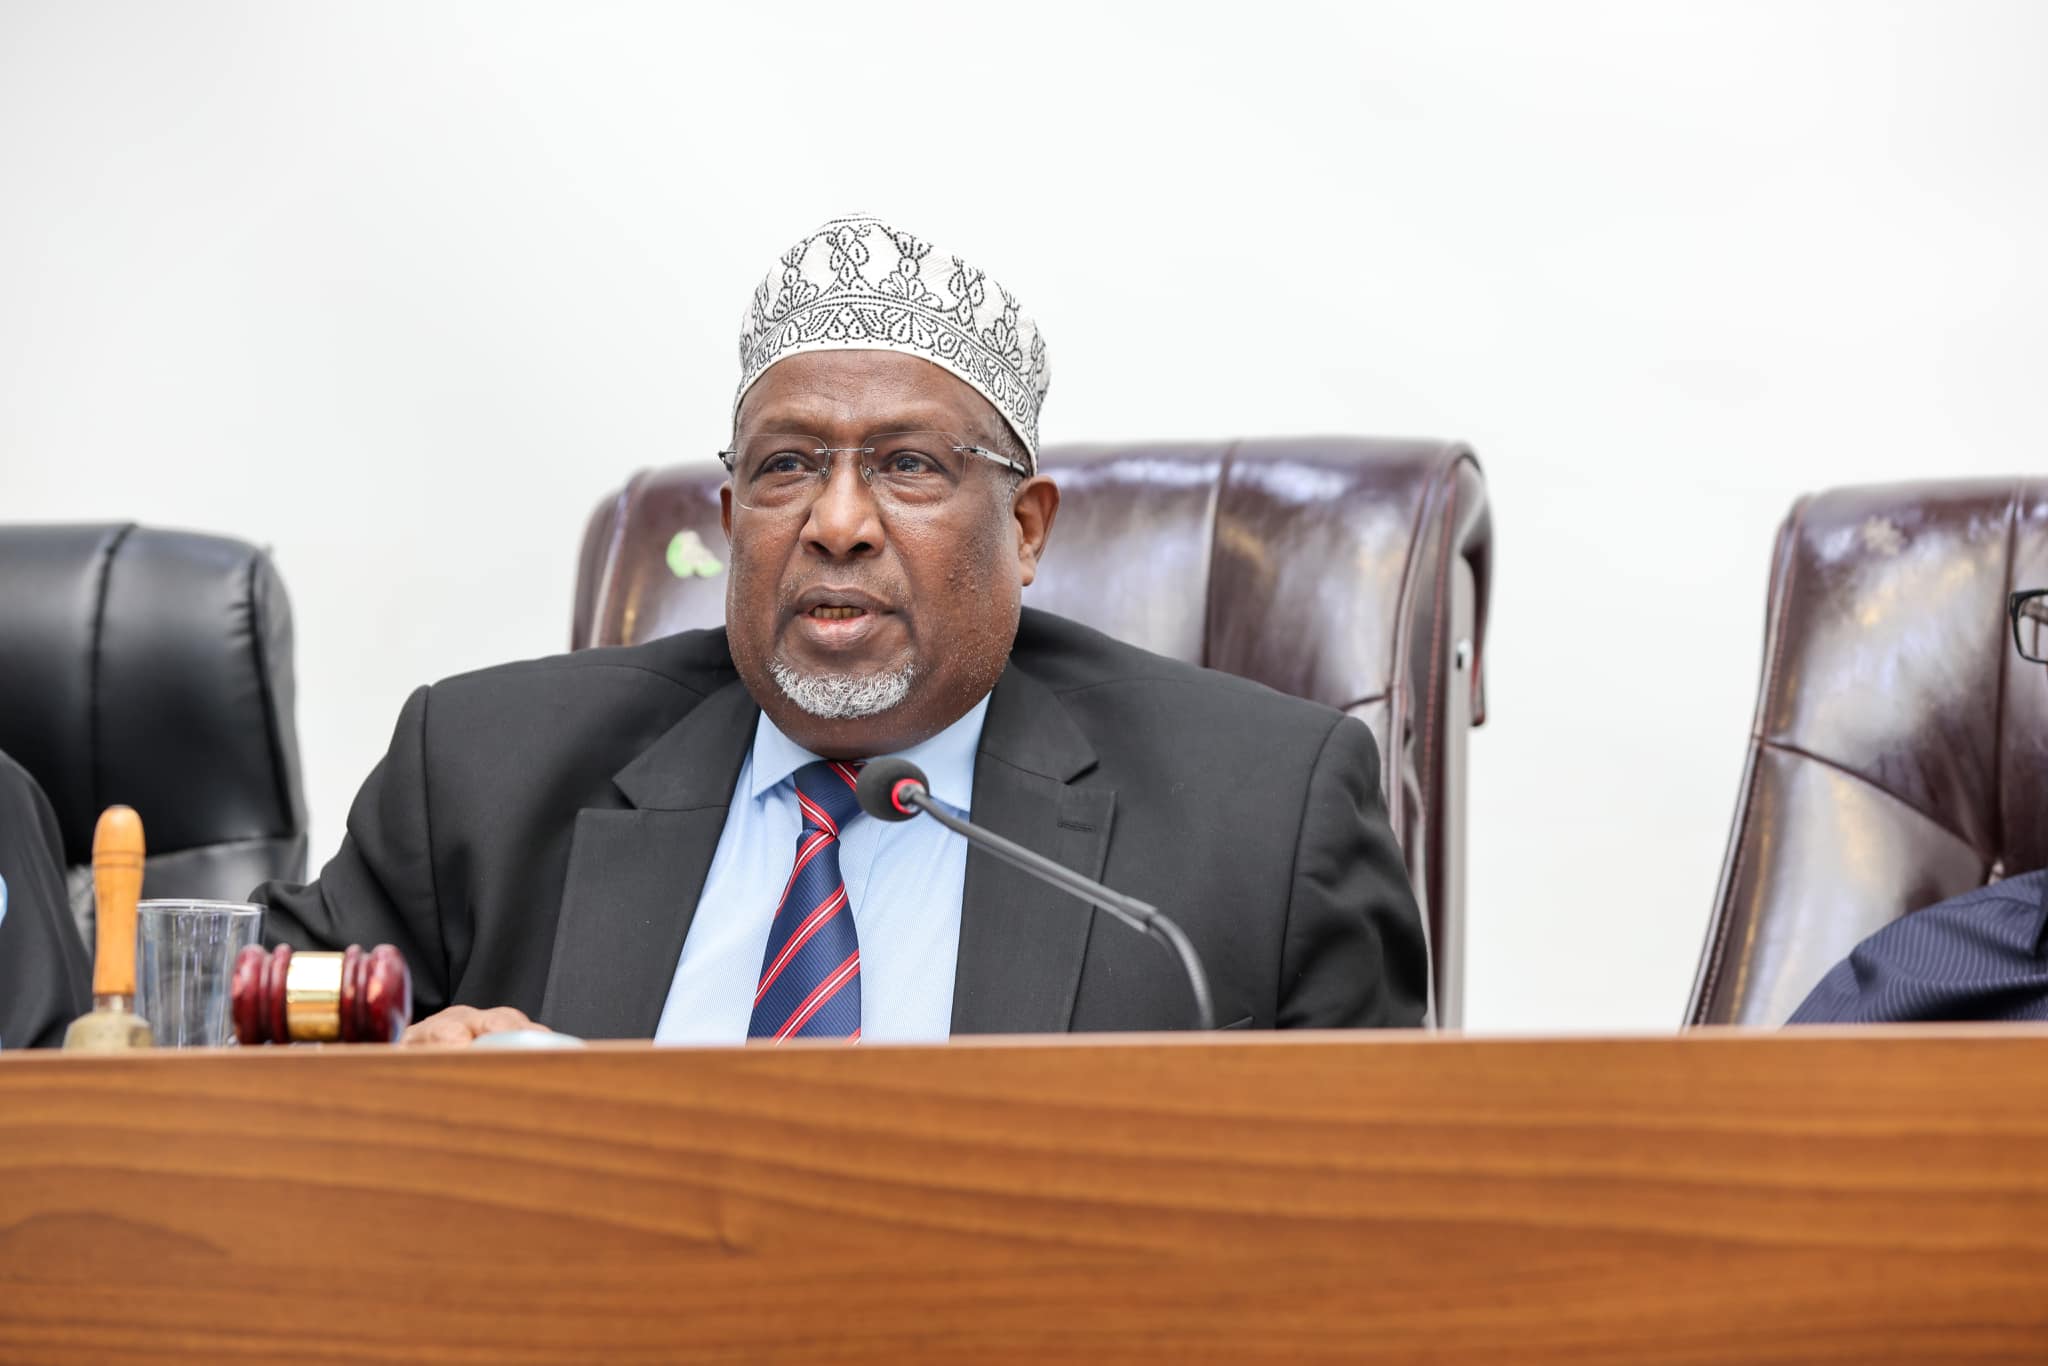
x=402, y=289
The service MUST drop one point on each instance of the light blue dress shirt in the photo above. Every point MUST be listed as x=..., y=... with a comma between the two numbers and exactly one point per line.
x=904, y=880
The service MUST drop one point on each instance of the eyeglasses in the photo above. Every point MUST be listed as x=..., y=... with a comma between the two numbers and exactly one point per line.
x=2028, y=609
x=784, y=471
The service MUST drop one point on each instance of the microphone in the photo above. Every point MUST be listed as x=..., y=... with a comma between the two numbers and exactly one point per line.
x=896, y=790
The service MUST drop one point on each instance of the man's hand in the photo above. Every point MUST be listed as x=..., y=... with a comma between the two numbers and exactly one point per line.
x=456, y=1026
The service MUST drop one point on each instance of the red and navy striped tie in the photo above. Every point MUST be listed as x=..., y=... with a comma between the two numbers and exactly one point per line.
x=810, y=975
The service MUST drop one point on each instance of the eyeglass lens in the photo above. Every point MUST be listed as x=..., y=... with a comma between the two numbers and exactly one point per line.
x=2030, y=627
x=907, y=469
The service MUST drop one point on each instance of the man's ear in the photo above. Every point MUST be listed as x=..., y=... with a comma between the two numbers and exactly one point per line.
x=725, y=509
x=1035, y=504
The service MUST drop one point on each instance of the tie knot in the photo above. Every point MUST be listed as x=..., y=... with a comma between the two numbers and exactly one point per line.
x=825, y=790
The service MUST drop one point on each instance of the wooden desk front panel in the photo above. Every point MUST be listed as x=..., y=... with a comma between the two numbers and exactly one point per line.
x=1820, y=1197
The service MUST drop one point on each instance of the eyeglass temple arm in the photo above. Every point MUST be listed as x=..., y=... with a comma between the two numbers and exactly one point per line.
x=1003, y=460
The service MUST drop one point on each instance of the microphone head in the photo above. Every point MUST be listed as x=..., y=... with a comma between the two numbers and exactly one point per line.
x=883, y=789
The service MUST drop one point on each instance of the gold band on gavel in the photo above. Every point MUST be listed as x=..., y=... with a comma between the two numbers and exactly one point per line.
x=312, y=997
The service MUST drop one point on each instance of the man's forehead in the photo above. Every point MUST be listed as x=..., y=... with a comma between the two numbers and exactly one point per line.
x=805, y=412
x=872, y=391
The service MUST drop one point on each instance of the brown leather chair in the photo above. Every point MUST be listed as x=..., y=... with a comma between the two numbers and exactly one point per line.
x=1346, y=570
x=1899, y=754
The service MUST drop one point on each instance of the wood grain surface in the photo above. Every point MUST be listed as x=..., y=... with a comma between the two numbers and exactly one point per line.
x=1825, y=1196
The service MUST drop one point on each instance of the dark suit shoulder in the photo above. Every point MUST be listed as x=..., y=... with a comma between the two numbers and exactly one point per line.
x=20, y=796
x=1978, y=956
x=1071, y=659
x=695, y=661
x=560, y=726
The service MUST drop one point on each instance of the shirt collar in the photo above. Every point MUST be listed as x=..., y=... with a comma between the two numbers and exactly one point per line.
x=946, y=758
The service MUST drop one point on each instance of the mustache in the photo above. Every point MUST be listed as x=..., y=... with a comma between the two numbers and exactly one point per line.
x=798, y=595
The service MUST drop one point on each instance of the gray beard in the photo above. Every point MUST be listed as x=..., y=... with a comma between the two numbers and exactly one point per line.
x=842, y=697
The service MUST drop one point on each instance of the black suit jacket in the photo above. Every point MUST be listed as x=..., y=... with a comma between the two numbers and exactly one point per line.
x=45, y=971
x=539, y=833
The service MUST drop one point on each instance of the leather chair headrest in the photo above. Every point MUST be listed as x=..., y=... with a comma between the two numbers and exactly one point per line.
x=153, y=668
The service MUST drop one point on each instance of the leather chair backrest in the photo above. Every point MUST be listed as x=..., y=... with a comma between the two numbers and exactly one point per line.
x=1350, y=571
x=1899, y=754
x=154, y=668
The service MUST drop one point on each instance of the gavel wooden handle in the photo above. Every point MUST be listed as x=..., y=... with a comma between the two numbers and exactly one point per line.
x=356, y=996
x=112, y=1025
x=116, y=887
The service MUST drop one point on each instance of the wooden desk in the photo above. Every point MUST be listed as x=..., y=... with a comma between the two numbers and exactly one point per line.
x=1810, y=1197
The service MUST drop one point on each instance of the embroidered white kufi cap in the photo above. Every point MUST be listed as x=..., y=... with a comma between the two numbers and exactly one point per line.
x=858, y=284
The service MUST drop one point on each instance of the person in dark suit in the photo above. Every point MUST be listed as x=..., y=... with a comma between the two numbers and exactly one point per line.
x=1979, y=956
x=660, y=840
x=45, y=972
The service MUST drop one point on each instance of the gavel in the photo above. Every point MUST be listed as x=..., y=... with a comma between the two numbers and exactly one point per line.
x=356, y=996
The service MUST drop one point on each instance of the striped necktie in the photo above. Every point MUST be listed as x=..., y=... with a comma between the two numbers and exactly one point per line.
x=810, y=974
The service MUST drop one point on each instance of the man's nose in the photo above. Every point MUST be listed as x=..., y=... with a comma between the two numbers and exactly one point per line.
x=846, y=520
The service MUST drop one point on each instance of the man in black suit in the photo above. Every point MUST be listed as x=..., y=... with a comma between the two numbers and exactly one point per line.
x=45, y=972
x=618, y=842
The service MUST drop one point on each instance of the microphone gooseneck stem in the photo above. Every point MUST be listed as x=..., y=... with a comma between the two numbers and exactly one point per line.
x=1169, y=934
x=1130, y=910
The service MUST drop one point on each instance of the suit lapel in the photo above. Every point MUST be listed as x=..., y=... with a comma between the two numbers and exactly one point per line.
x=635, y=875
x=1022, y=942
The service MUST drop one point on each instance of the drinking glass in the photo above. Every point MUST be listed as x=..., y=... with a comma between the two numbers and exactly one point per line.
x=184, y=963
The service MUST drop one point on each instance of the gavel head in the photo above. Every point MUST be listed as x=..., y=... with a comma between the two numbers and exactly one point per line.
x=357, y=996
